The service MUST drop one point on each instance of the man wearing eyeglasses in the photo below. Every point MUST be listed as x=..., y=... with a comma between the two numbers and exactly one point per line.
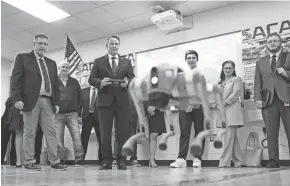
x=35, y=92
x=272, y=94
x=111, y=75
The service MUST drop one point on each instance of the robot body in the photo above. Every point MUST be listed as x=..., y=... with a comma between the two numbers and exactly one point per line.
x=168, y=85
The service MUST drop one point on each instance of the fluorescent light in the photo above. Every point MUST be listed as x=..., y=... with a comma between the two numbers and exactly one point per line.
x=40, y=9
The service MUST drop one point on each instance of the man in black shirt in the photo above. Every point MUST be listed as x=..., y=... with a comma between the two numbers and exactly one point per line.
x=70, y=103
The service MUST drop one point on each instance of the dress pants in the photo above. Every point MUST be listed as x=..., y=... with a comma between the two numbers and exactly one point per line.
x=271, y=115
x=43, y=114
x=88, y=123
x=106, y=116
x=185, y=122
x=232, y=149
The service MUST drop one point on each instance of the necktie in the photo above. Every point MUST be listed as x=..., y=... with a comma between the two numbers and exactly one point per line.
x=114, y=66
x=273, y=63
x=45, y=75
x=93, y=100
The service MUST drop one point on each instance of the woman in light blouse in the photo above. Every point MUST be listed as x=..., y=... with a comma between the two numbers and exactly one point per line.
x=232, y=86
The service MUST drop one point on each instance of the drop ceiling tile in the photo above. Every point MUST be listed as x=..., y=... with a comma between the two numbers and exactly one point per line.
x=24, y=20
x=200, y=6
x=101, y=3
x=184, y=10
x=97, y=16
x=120, y=9
x=87, y=35
x=167, y=4
x=56, y=43
x=11, y=44
x=115, y=27
x=7, y=10
x=71, y=24
x=25, y=37
x=139, y=21
x=50, y=30
x=8, y=29
x=9, y=55
x=73, y=7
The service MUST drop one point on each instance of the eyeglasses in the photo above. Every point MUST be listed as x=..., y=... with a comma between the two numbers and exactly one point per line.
x=273, y=41
x=42, y=43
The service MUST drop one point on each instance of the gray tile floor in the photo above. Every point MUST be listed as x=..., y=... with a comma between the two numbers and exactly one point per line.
x=141, y=176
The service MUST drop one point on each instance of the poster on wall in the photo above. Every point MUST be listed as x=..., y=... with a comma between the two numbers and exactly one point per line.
x=253, y=48
x=83, y=70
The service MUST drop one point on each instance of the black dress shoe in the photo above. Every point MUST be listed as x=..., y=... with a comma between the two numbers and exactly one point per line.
x=273, y=164
x=122, y=167
x=105, y=166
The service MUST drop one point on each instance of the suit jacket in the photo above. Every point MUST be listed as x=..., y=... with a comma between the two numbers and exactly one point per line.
x=232, y=94
x=85, y=106
x=106, y=95
x=265, y=80
x=26, y=80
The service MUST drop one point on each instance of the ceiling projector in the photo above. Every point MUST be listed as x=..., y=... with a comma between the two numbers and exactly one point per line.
x=167, y=21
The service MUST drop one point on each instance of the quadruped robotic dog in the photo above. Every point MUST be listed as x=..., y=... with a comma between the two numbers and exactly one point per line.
x=167, y=85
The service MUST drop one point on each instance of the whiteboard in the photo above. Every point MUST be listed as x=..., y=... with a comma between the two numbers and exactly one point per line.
x=212, y=53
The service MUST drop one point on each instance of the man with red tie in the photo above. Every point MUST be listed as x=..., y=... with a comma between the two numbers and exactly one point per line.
x=113, y=100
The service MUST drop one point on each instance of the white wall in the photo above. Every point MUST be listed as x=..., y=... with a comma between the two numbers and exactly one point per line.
x=210, y=23
x=5, y=81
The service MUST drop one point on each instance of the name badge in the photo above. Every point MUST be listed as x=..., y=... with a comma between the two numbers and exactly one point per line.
x=286, y=104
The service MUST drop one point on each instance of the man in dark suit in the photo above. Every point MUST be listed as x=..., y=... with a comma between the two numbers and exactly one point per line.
x=113, y=99
x=90, y=118
x=272, y=94
x=35, y=91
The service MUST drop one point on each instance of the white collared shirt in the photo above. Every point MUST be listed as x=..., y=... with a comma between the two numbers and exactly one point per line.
x=277, y=56
x=42, y=88
x=91, y=93
x=116, y=60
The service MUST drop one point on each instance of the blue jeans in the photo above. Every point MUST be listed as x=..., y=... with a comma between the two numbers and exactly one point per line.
x=71, y=121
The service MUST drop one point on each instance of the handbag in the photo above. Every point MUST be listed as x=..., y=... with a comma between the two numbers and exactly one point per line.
x=253, y=151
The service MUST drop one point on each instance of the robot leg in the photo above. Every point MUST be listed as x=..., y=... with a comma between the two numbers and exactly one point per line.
x=196, y=145
x=127, y=148
x=169, y=131
x=134, y=89
x=221, y=111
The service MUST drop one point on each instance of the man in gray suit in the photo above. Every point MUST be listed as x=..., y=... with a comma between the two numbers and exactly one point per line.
x=272, y=94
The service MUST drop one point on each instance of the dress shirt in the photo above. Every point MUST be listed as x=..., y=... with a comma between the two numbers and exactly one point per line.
x=91, y=93
x=42, y=88
x=116, y=60
x=277, y=56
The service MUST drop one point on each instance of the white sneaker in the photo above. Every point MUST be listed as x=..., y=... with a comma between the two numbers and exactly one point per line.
x=196, y=163
x=179, y=163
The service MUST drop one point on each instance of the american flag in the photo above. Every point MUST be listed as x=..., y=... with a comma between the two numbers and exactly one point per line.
x=72, y=56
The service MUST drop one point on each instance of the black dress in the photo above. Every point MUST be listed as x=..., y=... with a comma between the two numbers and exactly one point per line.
x=156, y=122
x=17, y=120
